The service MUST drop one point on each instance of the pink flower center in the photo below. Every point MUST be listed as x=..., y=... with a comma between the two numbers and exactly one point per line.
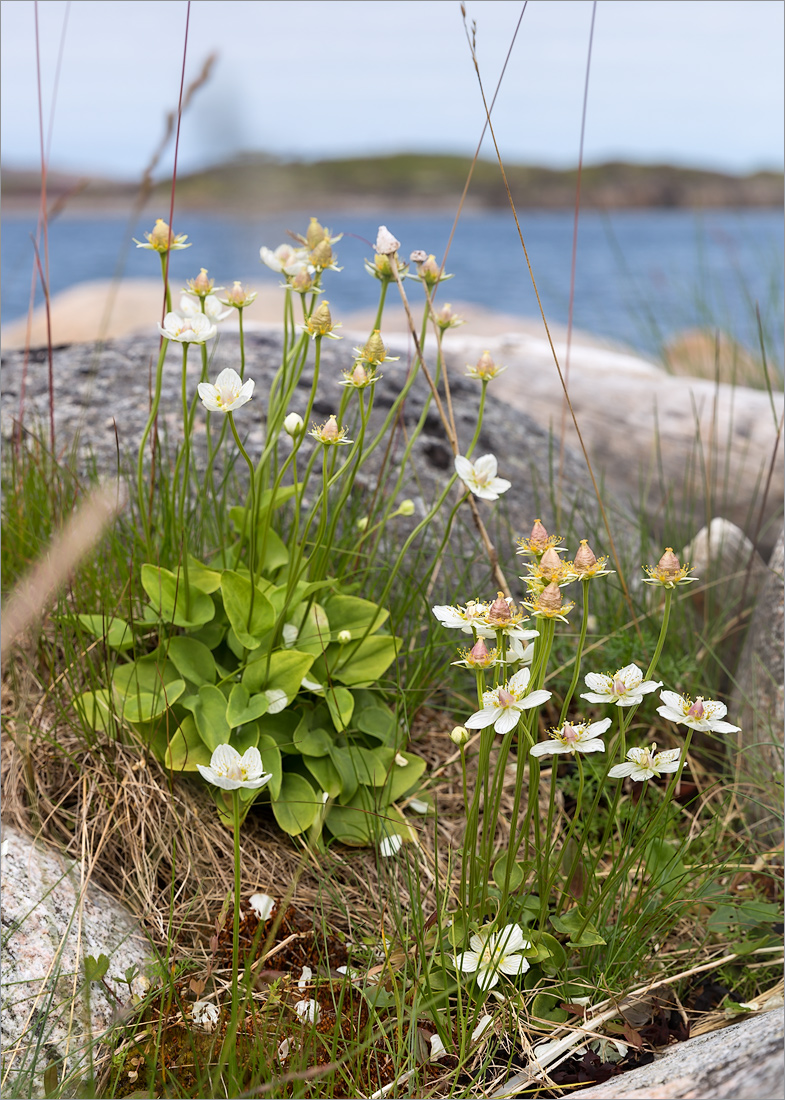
x=505, y=699
x=697, y=709
x=619, y=686
x=569, y=735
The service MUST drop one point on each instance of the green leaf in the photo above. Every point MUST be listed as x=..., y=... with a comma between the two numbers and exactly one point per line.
x=517, y=872
x=362, y=662
x=209, y=711
x=211, y=634
x=312, y=625
x=286, y=671
x=344, y=766
x=167, y=598
x=271, y=762
x=95, y=969
x=186, y=748
x=192, y=659
x=282, y=494
x=297, y=805
x=280, y=728
x=51, y=1080
x=572, y=924
x=545, y=1007
x=243, y=707
x=402, y=780
x=354, y=614
x=547, y=949
x=116, y=632
x=236, y=592
x=353, y=823
x=147, y=706
x=275, y=552
x=371, y=766
x=325, y=773
x=378, y=722
x=316, y=742
x=341, y=703
x=206, y=580
x=95, y=710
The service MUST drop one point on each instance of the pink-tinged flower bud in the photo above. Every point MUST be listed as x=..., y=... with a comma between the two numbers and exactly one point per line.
x=386, y=244
x=201, y=285
x=550, y=563
x=418, y=256
x=322, y=255
x=360, y=376
x=584, y=558
x=459, y=735
x=669, y=565
x=330, y=431
x=446, y=317
x=315, y=233
x=539, y=536
x=619, y=686
x=499, y=611
x=238, y=296
x=478, y=654
x=697, y=709
x=504, y=697
x=429, y=271
x=569, y=735
x=550, y=599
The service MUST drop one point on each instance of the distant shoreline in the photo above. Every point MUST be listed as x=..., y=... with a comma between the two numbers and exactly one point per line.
x=260, y=185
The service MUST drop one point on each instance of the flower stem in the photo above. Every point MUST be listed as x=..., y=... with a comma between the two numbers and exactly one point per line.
x=236, y=924
x=144, y=513
x=252, y=559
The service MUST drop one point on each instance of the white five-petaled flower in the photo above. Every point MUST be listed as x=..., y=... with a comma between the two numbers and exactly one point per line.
x=230, y=771
x=583, y=737
x=644, y=763
x=192, y=329
x=625, y=688
x=205, y=1015
x=502, y=707
x=704, y=714
x=262, y=905
x=462, y=618
x=285, y=259
x=308, y=1011
x=480, y=477
x=213, y=310
x=228, y=394
x=492, y=952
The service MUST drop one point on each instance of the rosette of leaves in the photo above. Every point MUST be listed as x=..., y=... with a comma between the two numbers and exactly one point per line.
x=298, y=679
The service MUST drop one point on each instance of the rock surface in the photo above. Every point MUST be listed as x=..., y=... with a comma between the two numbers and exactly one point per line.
x=740, y=1062
x=100, y=386
x=758, y=704
x=49, y=926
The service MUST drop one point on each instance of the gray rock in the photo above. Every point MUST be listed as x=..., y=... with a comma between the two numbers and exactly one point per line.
x=49, y=926
x=758, y=706
x=740, y=1062
x=100, y=390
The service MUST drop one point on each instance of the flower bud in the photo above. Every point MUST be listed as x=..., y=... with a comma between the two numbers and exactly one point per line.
x=201, y=285
x=584, y=558
x=373, y=350
x=485, y=368
x=499, y=611
x=406, y=508
x=550, y=598
x=447, y=318
x=669, y=565
x=459, y=735
x=320, y=323
x=344, y=636
x=539, y=536
x=550, y=563
x=386, y=244
x=301, y=283
x=238, y=296
x=429, y=271
x=330, y=430
x=315, y=234
x=322, y=255
x=362, y=523
x=418, y=256
x=697, y=709
x=293, y=425
x=569, y=735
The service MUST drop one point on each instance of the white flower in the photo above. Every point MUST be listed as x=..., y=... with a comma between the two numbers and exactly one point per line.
x=482, y=1027
x=212, y=308
x=480, y=477
x=305, y=977
x=293, y=424
x=583, y=737
x=462, y=618
x=286, y=259
x=205, y=1015
x=645, y=763
x=502, y=707
x=262, y=905
x=438, y=1049
x=386, y=244
x=308, y=1011
x=625, y=688
x=492, y=952
x=703, y=714
x=228, y=394
x=193, y=329
x=231, y=771
x=390, y=845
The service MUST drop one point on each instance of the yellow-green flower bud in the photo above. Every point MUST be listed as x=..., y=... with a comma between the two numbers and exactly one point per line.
x=293, y=424
x=344, y=636
x=374, y=350
x=322, y=254
x=315, y=233
x=406, y=508
x=459, y=735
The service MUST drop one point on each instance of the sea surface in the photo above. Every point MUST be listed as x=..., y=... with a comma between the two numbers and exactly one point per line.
x=641, y=275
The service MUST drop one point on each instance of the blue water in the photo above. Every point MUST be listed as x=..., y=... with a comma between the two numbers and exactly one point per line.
x=641, y=275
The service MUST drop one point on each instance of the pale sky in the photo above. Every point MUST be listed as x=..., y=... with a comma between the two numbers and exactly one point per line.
x=694, y=82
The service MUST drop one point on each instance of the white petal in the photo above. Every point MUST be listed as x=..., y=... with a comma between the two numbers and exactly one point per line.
x=305, y=977
x=520, y=681
x=630, y=675
x=437, y=1048
x=467, y=962
x=514, y=964
x=483, y=718
x=278, y=700
x=597, y=682
x=481, y=1028
x=390, y=845
x=487, y=978
x=511, y=939
x=592, y=745
x=464, y=468
x=487, y=465
x=308, y=1011
x=671, y=699
x=545, y=748
x=508, y=719
x=724, y=727
x=262, y=905
x=618, y=771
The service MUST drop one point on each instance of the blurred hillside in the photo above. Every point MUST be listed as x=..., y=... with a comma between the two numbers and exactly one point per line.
x=258, y=184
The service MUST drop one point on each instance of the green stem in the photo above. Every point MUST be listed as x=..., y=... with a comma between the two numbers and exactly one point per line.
x=236, y=923
x=144, y=514
x=252, y=561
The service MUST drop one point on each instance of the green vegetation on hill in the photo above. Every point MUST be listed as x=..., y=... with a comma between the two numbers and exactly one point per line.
x=261, y=184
